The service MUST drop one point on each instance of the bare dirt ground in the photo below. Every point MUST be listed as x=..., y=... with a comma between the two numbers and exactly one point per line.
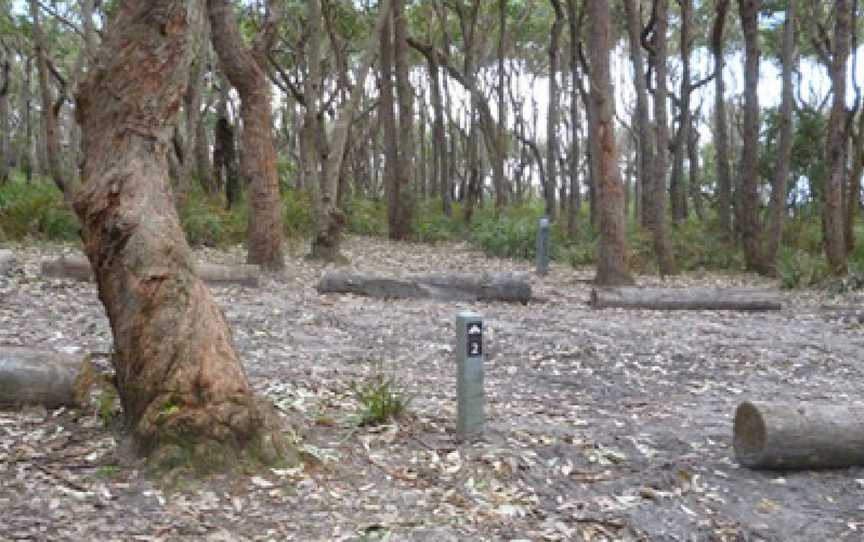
x=602, y=425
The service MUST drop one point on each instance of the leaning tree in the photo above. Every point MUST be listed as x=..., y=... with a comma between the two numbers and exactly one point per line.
x=184, y=392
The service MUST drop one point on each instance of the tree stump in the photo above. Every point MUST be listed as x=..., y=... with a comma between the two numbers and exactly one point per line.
x=702, y=299
x=456, y=287
x=798, y=436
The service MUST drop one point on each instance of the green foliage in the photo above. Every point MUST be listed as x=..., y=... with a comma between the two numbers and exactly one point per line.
x=511, y=234
x=431, y=225
x=107, y=405
x=207, y=223
x=797, y=269
x=697, y=246
x=297, y=210
x=35, y=211
x=381, y=399
x=366, y=217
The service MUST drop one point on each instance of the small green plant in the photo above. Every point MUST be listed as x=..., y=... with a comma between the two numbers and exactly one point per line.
x=107, y=405
x=381, y=399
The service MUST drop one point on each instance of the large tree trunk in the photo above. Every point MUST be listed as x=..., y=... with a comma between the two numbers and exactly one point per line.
x=246, y=69
x=184, y=392
x=404, y=220
x=721, y=130
x=612, y=252
x=502, y=188
x=784, y=148
x=835, y=142
x=748, y=194
x=660, y=44
x=643, y=122
x=798, y=436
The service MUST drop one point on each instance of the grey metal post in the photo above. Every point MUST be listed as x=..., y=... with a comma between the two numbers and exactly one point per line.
x=543, y=247
x=470, y=419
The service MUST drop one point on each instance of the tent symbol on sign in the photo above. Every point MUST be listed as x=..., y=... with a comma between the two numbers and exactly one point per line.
x=474, y=329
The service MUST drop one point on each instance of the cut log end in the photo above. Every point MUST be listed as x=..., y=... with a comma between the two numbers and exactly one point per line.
x=749, y=435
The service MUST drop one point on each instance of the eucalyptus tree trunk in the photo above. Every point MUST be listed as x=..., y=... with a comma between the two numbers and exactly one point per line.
x=50, y=110
x=502, y=188
x=633, y=9
x=574, y=203
x=184, y=392
x=403, y=224
x=659, y=57
x=553, y=111
x=835, y=142
x=677, y=190
x=694, y=183
x=438, y=135
x=612, y=252
x=332, y=143
x=387, y=118
x=721, y=130
x=28, y=159
x=246, y=68
x=777, y=210
x=5, y=77
x=192, y=103
x=748, y=193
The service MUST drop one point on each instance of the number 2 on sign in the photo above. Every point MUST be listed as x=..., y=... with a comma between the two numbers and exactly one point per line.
x=475, y=339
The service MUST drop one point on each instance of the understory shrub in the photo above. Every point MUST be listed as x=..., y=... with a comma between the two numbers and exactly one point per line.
x=366, y=217
x=797, y=268
x=35, y=210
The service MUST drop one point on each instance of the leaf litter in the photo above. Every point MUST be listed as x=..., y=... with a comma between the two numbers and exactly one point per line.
x=609, y=425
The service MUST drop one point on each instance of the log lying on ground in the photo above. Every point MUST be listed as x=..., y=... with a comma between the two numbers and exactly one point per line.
x=798, y=436
x=456, y=287
x=7, y=260
x=633, y=297
x=40, y=377
x=78, y=268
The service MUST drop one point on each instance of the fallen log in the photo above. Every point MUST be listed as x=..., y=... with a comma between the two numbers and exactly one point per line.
x=41, y=377
x=7, y=260
x=455, y=287
x=78, y=268
x=798, y=436
x=704, y=299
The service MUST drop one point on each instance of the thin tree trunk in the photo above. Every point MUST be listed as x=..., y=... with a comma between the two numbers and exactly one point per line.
x=502, y=188
x=643, y=122
x=28, y=158
x=721, y=130
x=575, y=192
x=678, y=193
x=50, y=111
x=552, y=114
x=612, y=252
x=5, y=79
x=184, y=392
x=246, y=69
x=404, y=226
x=777, y=208
x=693, y=181
x=748, y=194
x=662, y=246
x=387, y=118
x=832, y=208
